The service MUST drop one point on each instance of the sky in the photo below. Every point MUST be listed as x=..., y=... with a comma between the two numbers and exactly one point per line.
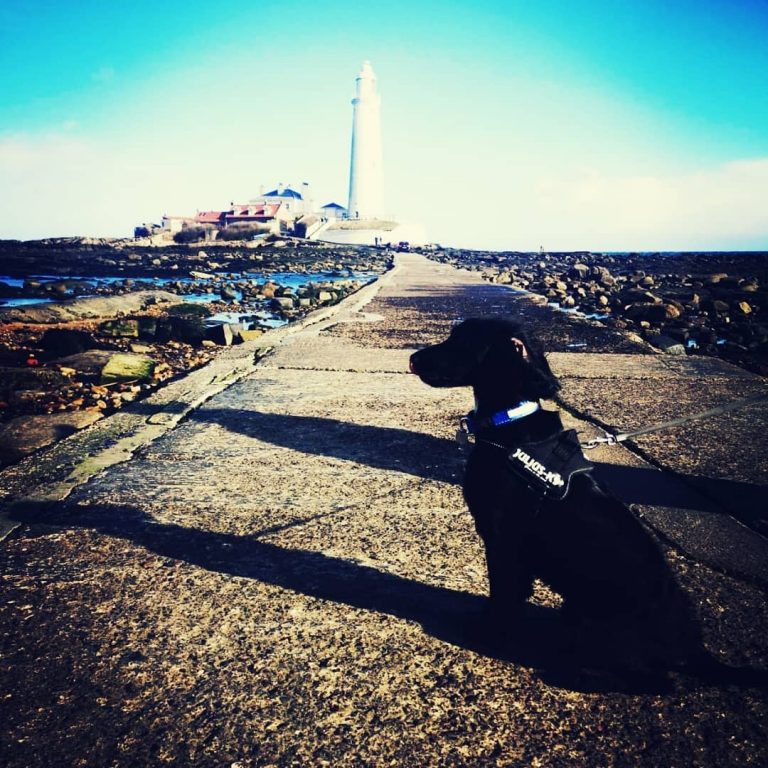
x=580, y=125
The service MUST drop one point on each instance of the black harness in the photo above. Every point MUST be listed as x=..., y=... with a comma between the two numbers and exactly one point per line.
x=546, y=466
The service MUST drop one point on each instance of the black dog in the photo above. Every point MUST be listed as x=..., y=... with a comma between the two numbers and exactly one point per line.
x=621, y=604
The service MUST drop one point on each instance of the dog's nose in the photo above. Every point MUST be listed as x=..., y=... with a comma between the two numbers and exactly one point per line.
x=411, y=365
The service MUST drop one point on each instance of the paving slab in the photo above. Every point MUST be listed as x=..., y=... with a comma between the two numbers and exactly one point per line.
x=280, y=570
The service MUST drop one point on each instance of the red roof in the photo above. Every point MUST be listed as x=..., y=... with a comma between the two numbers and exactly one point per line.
x=210, y=217
x=252, y=211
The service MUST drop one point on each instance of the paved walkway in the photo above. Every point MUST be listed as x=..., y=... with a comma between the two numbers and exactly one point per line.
x=270, y=563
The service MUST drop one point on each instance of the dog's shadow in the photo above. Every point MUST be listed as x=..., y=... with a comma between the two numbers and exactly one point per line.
x=438, y=458
x=450, y=615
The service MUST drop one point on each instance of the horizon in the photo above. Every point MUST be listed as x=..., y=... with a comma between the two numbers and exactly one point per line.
x=506, y=127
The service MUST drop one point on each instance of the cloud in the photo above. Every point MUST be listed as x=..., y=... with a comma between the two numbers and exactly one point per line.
x=64, y=183
x=59, y=184
x=712, y=208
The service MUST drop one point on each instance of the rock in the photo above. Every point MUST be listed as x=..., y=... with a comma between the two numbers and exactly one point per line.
x=221, y=334
x=81, y=309
x=718, y=306
x=147, y=327
x=59, y=342
x=667, y=344
x=325, y=296
x=121, y=327
x=744, y=308
x=12, y=379
x=228, y=293
x=89, y=363
x=282, y=302
x=651, y=313
x=26, y=434
x=579, y=272
x=189, y=330
x=250, y=335
x=603, y=276
x=127, y=367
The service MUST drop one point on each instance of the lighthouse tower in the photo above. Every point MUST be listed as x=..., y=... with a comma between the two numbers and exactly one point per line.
x=365, y=162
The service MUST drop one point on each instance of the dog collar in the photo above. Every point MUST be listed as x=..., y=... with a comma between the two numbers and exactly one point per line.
x=471, y=423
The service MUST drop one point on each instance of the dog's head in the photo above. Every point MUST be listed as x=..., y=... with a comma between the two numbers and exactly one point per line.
x=487, y=354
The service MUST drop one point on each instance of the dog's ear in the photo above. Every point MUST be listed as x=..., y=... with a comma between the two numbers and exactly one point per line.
x=537, y=380
x=520, y=347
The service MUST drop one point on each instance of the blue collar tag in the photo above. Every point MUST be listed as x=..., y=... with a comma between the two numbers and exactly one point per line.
x=526, y=408
x=470, y=422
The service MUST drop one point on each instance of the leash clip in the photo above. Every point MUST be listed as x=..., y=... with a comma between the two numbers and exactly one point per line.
x=463, y=433
x=607, y=439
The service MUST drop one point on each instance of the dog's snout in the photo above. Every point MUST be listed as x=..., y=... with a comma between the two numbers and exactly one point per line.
x=412, y=364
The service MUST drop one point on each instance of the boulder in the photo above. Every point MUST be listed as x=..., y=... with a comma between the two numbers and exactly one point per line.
x=59, y=342
x=127, y=367
x=27, y=434
x=120, y=328
x=89, y=362
x=221, y=334
x=667, y=344
x=718, y=306
x=283, y=302
x=250, y=335
x=147, y=327
x=228, y=293
x=579, y=272
x=189, y=330
x=647, y=312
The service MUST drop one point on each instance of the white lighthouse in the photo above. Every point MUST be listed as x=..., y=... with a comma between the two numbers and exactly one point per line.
x=365, y=162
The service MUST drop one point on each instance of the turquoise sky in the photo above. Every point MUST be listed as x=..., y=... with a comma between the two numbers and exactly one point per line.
x=602, y=125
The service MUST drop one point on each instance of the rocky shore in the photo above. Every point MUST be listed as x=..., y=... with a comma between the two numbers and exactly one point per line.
x=680, y=303
x=86, y=347
x=155, y=313
x=73, y=256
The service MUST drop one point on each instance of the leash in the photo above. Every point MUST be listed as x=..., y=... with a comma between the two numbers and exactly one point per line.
x=611, y=439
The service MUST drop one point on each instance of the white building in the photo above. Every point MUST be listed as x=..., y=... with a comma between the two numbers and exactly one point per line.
x=364, y=223
x=365, y=167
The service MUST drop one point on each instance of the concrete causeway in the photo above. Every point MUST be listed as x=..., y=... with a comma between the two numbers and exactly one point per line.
x=269, y=562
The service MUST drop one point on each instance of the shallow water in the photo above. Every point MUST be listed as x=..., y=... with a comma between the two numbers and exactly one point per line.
x=293, y=279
